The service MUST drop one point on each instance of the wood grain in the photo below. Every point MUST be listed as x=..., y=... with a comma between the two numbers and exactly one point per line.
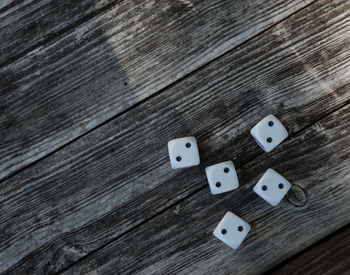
x=82, y=78
x=328, y=256
x=317, y=160
x=27, y=24
x=118, y=176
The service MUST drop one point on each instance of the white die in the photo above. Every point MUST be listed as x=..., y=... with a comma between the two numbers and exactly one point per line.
x=222, y=177
x=272, y=187
x=269, y=133
x=183, y=152
x=232, y=230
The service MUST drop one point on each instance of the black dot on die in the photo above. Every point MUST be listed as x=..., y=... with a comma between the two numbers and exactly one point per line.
x=269, y=139
x=280, y=186
x=240, y=228
x=264, y=187
x=188, y=145
x=178, y=158
x=270, y=123
x=226, y=170
x=224, y=231
x=218, y=184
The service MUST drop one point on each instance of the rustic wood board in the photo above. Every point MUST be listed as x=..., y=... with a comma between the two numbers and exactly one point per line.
x=182, y=241
x=76, y=81
x=95, y=185
x=329, y=256
x=27, y=24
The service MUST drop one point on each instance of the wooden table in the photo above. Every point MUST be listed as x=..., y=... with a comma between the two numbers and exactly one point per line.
x=92, y=91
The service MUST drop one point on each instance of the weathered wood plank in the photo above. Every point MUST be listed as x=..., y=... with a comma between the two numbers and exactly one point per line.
x=317, y=161
x=329, y=256
x=67, y=87
x=112, y=179
x=27, y=24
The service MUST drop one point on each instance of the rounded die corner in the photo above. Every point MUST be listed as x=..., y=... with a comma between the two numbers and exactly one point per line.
x=253, y=132
x=289, y=185
x=274, y=203
x=255, y=188
x=170, y=143
x=229, y=162
x=208, y=170
x=271, y=116
x=285, y=134
x=270, y=170
x=192, y=138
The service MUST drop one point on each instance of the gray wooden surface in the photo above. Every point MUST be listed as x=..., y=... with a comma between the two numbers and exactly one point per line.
x=329, y=256
x=92, y=91
x=82, y=78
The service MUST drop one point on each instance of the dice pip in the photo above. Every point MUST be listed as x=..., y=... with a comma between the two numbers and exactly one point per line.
x=183, y=152
x=222, y=177
x=232, y=230
x=272, y=187
x=269, y=133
